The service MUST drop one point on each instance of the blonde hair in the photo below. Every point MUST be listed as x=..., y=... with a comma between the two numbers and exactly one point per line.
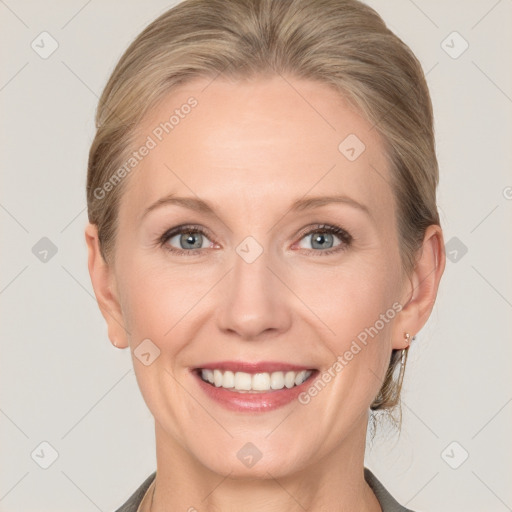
x=342, y=43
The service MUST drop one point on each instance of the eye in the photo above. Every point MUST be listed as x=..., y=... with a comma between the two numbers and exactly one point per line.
x=323, y=237
x=187, y=240
x=190, y=239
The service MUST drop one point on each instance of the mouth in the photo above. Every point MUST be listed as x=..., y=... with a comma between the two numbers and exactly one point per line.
x=254, y=382
x=253, y=387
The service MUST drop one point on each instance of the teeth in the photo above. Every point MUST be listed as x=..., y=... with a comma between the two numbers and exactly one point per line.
x=228, y=380
x=261, y=381
x=208, y=375
x=277, y=380
x=242, y=381
x=289, y=379
x=301, y=377
x=217, y=378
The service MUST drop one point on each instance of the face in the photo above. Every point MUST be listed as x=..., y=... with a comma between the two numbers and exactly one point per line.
x=253, y=240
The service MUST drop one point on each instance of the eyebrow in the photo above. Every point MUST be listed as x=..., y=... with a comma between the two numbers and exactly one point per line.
x=201, y=206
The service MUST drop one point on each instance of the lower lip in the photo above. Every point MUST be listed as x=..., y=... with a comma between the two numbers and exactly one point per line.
x=253, y=402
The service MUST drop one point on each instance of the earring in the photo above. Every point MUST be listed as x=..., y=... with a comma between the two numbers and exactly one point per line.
x=115, y=343
x=407, y=337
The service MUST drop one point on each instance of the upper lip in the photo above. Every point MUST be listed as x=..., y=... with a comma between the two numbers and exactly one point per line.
x=250, y=367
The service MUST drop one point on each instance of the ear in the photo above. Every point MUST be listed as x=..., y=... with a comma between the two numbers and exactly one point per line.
x=420, y=294
x=103, y=282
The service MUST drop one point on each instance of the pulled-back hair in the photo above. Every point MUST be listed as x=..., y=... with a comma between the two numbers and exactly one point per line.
x=342, y=43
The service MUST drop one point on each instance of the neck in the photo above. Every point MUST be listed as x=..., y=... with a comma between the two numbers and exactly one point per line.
x=335, y=482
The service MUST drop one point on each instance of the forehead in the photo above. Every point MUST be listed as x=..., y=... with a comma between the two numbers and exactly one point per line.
x=265, y=140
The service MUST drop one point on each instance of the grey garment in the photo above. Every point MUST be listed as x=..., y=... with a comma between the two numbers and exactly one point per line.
x=134, y=500
x=387, y=502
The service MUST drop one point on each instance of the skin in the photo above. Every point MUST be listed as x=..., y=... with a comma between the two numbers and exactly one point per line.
x=250, y=149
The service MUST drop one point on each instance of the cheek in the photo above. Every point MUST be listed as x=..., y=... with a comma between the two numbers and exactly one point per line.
x=158, y=299
x=360, y=346
x=357, y=292
x=359, y=308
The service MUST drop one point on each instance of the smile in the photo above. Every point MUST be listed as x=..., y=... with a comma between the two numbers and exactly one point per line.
x=243, y=382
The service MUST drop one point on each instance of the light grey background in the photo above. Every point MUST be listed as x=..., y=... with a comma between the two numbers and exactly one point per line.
x=62, y=382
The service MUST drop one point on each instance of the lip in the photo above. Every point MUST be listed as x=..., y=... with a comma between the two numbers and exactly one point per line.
x=253, y=402
x=248, y=367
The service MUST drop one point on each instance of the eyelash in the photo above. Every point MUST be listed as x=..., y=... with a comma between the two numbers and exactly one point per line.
x=343, y=235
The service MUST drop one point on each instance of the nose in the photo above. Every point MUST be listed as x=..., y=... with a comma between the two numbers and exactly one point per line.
x=255, y=303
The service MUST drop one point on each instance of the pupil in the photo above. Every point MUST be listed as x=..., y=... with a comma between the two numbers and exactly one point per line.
x=319, y=239
x=190, y=240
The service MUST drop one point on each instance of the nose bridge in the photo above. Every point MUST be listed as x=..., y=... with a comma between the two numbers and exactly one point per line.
x=253, y=302
x=251, y=273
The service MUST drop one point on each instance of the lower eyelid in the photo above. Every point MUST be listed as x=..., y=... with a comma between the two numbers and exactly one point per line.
x=342, y=246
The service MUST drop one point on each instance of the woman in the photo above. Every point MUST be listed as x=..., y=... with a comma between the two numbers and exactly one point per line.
x=263, y=235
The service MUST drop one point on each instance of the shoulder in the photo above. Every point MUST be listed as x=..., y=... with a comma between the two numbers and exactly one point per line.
x=386, y=501
x=134, y=500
